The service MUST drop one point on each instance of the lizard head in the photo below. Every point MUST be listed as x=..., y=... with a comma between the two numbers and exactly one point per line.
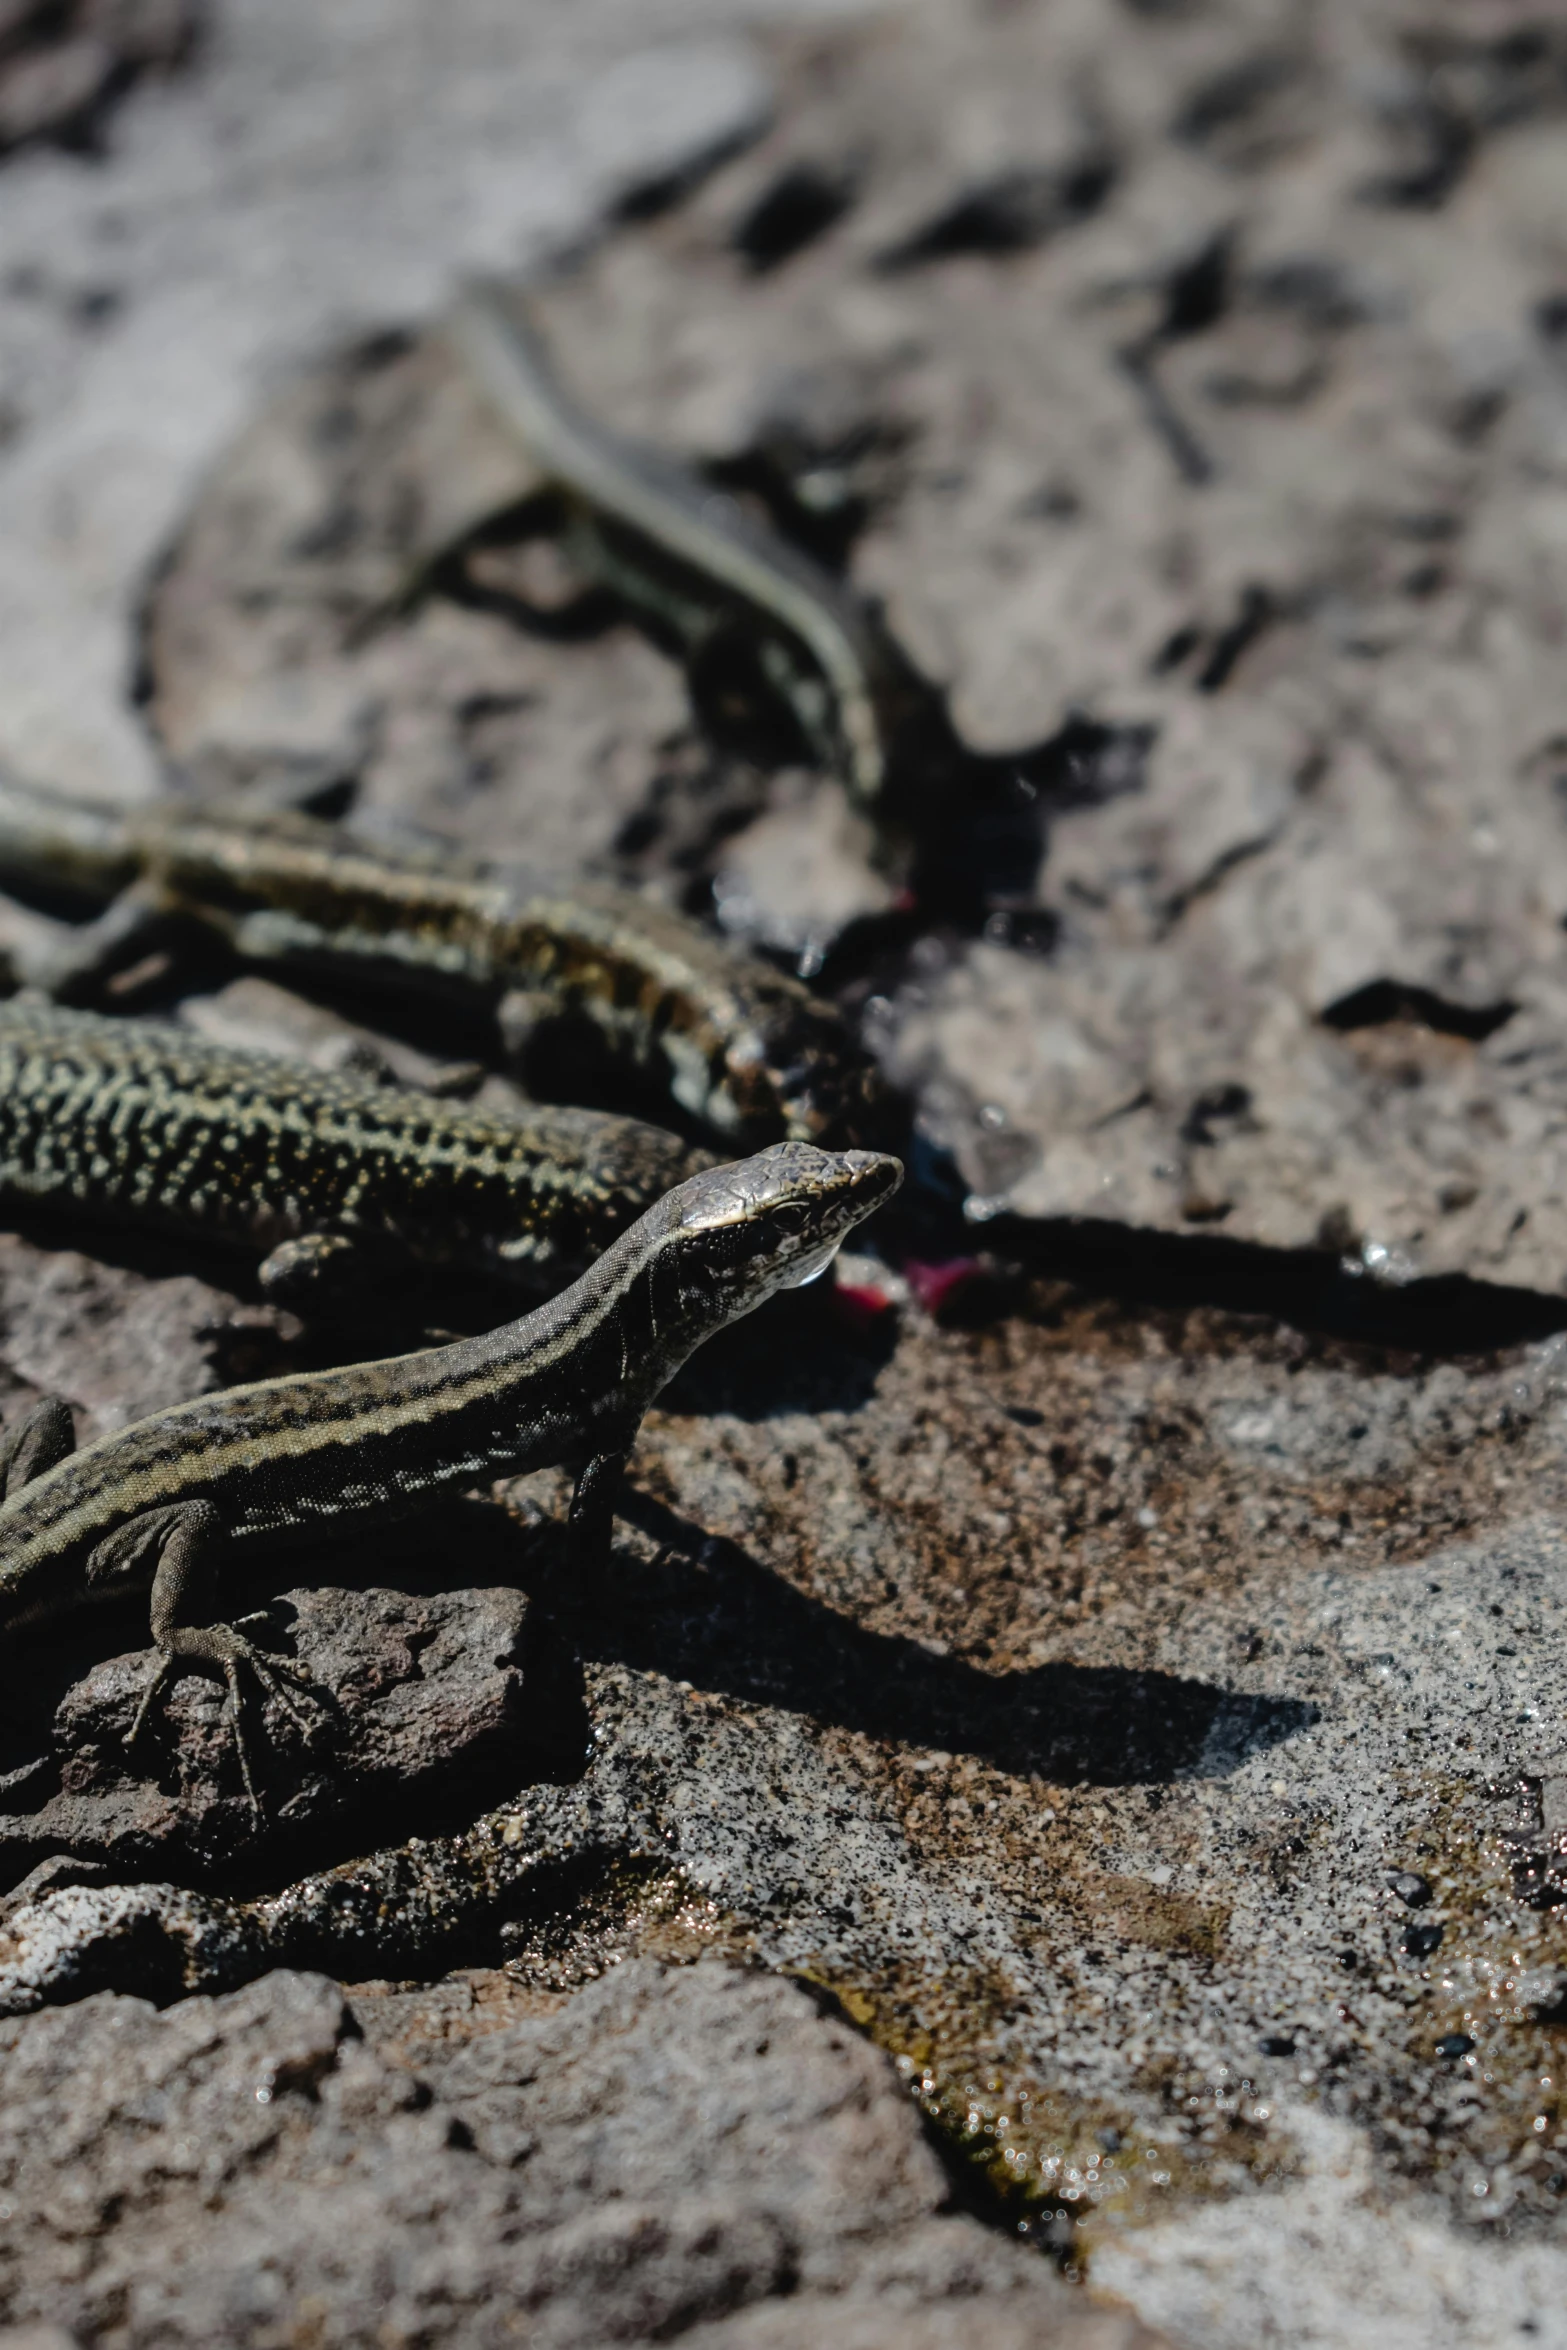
x=735, y=1235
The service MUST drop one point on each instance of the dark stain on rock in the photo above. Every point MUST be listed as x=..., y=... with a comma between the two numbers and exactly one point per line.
x=801, y=203
x=1381, y=1001
x=1009, y=213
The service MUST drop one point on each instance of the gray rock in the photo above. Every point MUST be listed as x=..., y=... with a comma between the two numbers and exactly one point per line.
x=1061, y=1694
x=113, y=1340
x=418, y=1705
x=1309, y=971
x=155, y=1939
x=256, y=1015
x=65, y=67
x=669, y=2148
x=1073, y=1692
x=797, y=876
x=360, y=168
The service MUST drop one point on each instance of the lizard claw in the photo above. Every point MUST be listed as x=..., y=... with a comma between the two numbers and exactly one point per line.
x=219, y=1648
x=161, y=1676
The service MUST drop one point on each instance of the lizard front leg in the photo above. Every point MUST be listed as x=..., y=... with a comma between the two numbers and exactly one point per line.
x=184, y=1536
x=591, y=1521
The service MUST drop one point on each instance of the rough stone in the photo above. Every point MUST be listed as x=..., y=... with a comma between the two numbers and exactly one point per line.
x=1060, y=1691
x=1071, y=1689
x=419, y=1704
x=794, y=879
x=1240, y=445
x=669, y=2148
x=318, y=172
x=63, y=68
x=114, y=1340
x=257, y=1015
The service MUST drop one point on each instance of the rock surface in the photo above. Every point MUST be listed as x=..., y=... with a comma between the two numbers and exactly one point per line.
x=1148, y=1728
x=1192, y=429
x=317, y=170
x=1142, y=1713
x=418, y=1705
x=62, y=68
x=695, y=2154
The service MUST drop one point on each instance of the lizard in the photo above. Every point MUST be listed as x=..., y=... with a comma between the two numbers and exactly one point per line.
x=204, y=1484
x=693, y=559
x=959, y=827
x=750, y=1055
x=332, y=1173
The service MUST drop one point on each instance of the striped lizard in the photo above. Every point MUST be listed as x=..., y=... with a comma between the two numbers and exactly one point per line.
x=330, y=1174
x=284, y=1459
x=750, y=1054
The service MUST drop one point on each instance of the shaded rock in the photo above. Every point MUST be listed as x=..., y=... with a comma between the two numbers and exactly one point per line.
x=418, y=1705
x=672, y=2147
x=112, y=1339
x=257, y=1015
x=62, y=68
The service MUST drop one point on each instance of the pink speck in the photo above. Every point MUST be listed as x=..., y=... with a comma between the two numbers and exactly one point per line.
x=934, y=1284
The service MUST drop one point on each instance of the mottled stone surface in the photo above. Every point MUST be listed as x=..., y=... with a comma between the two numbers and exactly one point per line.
x=62, y=68
x=116, y=1342
x=1197, y=371
x=318, y=170
x=1147, y=1726
x=669, y=2148
x=1142, y=1713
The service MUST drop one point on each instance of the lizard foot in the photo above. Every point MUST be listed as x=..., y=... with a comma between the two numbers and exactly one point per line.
x=219, y=1649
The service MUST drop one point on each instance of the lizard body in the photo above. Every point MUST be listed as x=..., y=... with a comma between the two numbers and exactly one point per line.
x=282, y=1459
x=140, y=1121
x=747, y=1051
x=672, y=543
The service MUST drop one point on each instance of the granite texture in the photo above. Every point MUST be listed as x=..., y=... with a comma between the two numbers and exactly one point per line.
x=694, y=2154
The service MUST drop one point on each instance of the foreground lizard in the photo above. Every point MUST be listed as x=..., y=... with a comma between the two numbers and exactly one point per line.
x=333, y=1174
x=285, y=1459
x=750, y=1053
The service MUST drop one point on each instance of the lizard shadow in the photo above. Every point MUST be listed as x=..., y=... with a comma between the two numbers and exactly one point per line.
x=807, y=1351
x=703, y=1611
x=709, y=1613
